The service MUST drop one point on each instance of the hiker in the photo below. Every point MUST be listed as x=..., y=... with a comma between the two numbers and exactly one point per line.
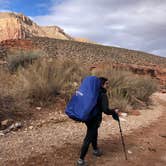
x=87, y=105
x=94, y=123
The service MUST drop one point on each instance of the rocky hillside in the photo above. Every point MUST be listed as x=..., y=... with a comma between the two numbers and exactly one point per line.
x=85, y=52
x=90, y=55
x=18, y=26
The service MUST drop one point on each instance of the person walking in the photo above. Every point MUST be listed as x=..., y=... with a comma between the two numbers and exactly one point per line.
x=94, y=123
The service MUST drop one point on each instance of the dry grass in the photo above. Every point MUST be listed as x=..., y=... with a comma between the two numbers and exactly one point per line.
x=128, y=90
x=12, y=98
x=21, y=59
x=47, y=77
x=40, y=82
x=140, y=89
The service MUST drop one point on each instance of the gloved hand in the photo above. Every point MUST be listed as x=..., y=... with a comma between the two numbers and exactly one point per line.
x=115, y=115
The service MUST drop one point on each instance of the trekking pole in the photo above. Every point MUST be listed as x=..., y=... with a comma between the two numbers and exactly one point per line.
x=124, y=148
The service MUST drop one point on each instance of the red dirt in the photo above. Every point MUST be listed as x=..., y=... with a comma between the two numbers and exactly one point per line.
x=148, y=147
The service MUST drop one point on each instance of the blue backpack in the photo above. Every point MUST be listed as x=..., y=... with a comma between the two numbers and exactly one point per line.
x=82, y=106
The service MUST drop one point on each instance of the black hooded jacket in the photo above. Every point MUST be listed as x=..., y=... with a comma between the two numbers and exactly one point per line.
x=103, y=106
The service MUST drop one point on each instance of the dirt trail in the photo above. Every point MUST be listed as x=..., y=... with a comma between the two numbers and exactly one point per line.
x=59, y=144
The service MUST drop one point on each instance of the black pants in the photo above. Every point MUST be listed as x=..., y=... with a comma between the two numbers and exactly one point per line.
x=91, y=137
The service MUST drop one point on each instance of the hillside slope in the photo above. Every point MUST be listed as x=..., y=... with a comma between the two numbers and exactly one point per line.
x=91, y=55
x=84, y=52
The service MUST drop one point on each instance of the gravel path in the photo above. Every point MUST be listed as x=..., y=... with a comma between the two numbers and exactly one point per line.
x=26, y=143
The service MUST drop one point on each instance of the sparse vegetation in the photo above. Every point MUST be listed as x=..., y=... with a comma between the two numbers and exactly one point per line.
x=128, y=90
x=48, y=77
x=12, y=98
x=43, y=79
x=21, y=59
x=87, y=52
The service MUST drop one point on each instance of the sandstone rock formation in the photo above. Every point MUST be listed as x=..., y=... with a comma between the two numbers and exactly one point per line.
x=18, y=26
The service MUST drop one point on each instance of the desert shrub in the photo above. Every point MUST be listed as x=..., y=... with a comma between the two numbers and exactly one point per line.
x=119, y=100
x=41, y=81
x=140, y=89
x=73, y=73
x=118, y=83
x=128, y=90
x=21, y=59
x=12, y=98
x=47, y=77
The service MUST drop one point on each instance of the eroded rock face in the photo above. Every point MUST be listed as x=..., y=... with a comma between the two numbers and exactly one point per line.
x=18, y=26
x=6, y=30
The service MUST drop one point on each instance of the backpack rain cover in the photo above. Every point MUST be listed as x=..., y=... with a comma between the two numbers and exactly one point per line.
x=82, y=106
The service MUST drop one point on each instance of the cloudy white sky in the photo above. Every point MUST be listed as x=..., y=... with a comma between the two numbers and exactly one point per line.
x=133, y=24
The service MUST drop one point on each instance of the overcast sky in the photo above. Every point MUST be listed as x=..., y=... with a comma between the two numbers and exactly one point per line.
x=133, y=24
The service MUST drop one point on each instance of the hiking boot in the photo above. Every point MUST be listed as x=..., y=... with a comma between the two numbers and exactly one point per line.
x=97, y=152
x=82, y=162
